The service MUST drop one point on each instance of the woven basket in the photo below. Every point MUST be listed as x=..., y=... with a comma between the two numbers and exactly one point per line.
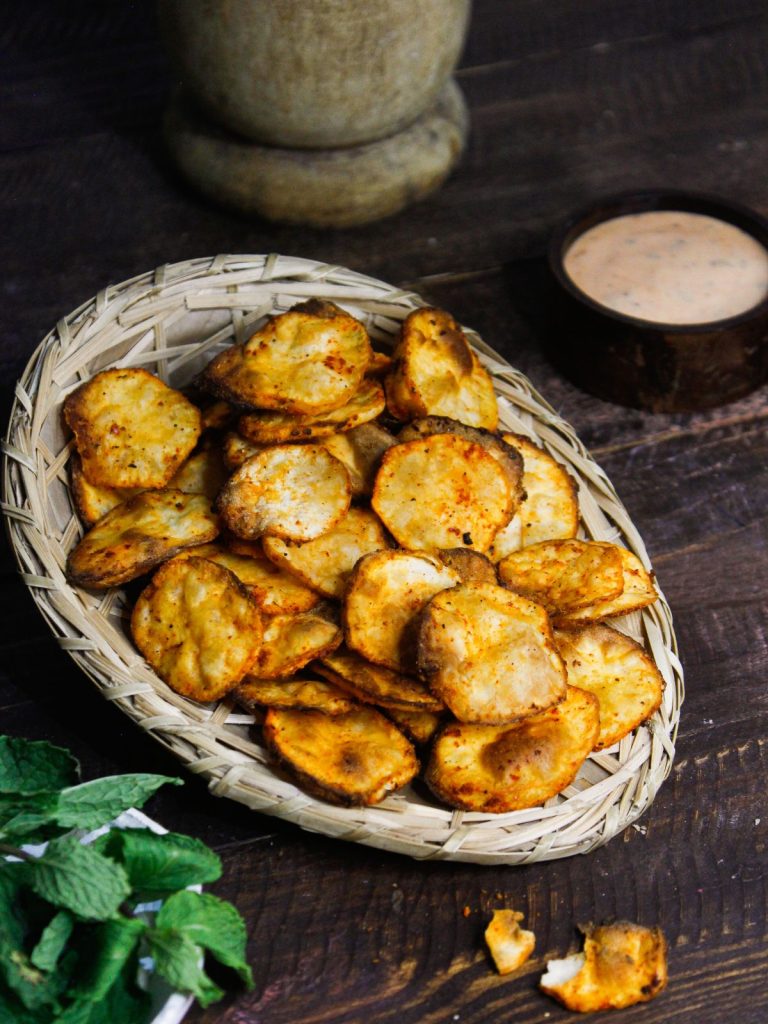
x=173, y=321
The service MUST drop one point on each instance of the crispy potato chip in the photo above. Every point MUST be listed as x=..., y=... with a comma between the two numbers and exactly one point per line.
x=442, y=492
x=564, y=575
x=380, y=365
x=236, y=450
x=374, y=684
x=638, y=592
x=131, y=429
x=499, y=768
x=418, y=726
x=508, y=539
x=217, y=416
x=437, y=373
x=550, y=510
x=303, y=694
x=291, y=641
x=265, y=426
x=139, y=534
x=354, y=759
x=618, y=671
x=622, y=964
x=489, y=654
x=325, y=563
x=472, y=566
x=275, y=592
x=91, y=501
x=508, y=943
x=386, y=591
x=203, y=473
x=197, y=627
x=308, y=360
x=294, y=491
x=360, y=450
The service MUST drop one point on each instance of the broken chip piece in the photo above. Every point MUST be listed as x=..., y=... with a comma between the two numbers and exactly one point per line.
x=508, y=943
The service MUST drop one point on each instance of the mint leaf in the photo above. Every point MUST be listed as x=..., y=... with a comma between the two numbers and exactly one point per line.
x=124, y=1003
x=107, y=949
x=176, y=958
x=30, y=766
x=31, y=818
x=159, y=864
x=33, y=987
x=94, y=803
x=12, y=926
x=209, y=922
x=53, y=940
x=12, y=1011
x=79, y=879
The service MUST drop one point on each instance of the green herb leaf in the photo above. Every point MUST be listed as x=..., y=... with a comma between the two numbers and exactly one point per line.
x=12, y=1011
x=108, y=947
x=79, y=879
x=12, y=925
x=95, y=803
x=31, y=766
x=124, y=1003
x=159, y=864
x=31, y=818
x=176, y=958
x=53, y=940
x=211, y=923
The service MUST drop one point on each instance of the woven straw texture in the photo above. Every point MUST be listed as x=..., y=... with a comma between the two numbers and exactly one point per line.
x=172, y=321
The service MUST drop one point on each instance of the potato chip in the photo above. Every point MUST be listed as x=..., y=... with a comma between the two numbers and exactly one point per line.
x=618, y=671
x=236, y=450
x=442, y=492
x=386, y=591
x=489, y=654
x=638, y=592
x=197, y=627
x=508, y=943
x=354, y=759
x=294, y=491
x=622, y=964
x=375, y=684
x=564, y=575
x=308, y=360
x=437, y=373
x=380, y=365
x=291, y=641
x=131, y=429
x=304, y=694
x=266, y=426
x=500, y=768
x=418, y=726
x=325, y=563
x=360, y=450
x=217, y=416
x=472, y=566
x=139, y=534
x=550, y=510
x=508, y=540
x=203, y=473
x=92, y=501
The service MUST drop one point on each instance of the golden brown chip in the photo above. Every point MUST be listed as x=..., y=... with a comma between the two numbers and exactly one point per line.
x=508, y=943
x=354, y=759
x=386, y=591
x=550, y=510
x=499, y=768
x=275, y=592
x=131, y=429
x=437, y=373
x=294, y=491
x=203, y=473
x=139, y=534
x=472, y=566
x=618, y=671
x=360, y=450
x=442, y=492
x=217, y=416
x=508, y=539
x=91, y=501
x=564, y=575
x=622, y=964
x=197, y=627
x=236, y=450
x=375, y=684
x=418, y=726
x=489, y=654
x=291, y=641
x=380, y=365
x=325, y=563
x=638, y=592
x=308, y=360
x=265, y=426
x=303, y=694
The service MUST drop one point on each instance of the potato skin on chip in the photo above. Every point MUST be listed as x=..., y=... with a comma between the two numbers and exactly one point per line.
x=303, y=694
x=489, y=654
x=622, y=964
x=354, y=760
x=500, y=768
x=131, y=429
x=197, y=627
x=637, y=592
x=360, y=451
x=508, y=943
x=550, y=510
x=374, y=684
x=139, y=534
x=291, y=641
x=308, y=360
x=472, y=566
x=618, y=671
x=442, y=492
x=294, y=491
x=386, y=591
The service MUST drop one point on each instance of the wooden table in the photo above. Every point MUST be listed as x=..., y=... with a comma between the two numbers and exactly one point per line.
x=568, y=102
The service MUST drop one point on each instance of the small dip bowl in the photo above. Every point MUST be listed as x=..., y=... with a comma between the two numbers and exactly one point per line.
x=642, y=361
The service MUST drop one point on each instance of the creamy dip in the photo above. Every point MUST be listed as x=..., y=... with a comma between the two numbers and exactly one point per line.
x=669, y=267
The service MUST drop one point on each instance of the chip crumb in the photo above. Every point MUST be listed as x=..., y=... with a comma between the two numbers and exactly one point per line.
x=467, y=911
x=508, y=943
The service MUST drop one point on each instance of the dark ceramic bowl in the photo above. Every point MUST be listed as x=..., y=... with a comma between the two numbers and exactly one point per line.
x=649, y=365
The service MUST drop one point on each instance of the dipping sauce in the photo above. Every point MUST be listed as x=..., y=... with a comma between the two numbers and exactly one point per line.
x=669, y=267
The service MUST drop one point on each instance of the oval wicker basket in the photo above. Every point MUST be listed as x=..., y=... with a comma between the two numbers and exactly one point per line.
x=172, y=321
